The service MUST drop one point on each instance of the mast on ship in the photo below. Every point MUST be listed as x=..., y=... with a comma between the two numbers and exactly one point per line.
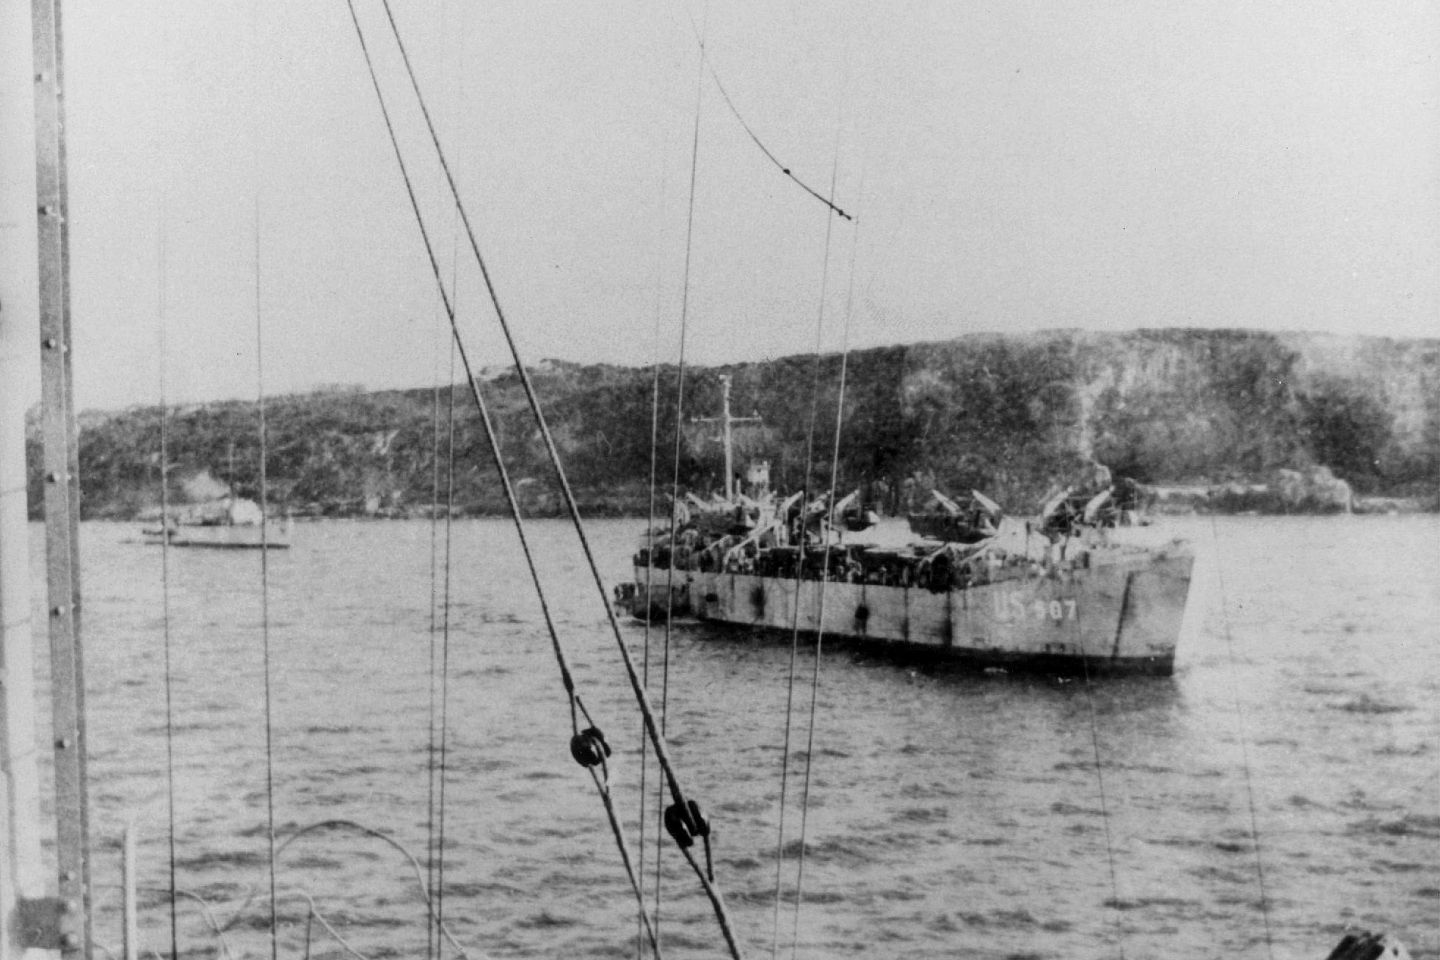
x=726, y=420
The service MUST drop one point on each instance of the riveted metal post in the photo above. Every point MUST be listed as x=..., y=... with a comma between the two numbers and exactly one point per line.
x=61, y=490
x=22, y=881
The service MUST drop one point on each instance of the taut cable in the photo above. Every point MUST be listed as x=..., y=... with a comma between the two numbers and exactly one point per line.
x=637, y=688
x=504, y=474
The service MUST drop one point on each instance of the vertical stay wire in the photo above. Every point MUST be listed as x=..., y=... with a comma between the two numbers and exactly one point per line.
x=440, y=626
x=265, y=597
x=577, y=707
x=649, y=568
x=439, y=856
x=433, y=704
x=1244, y=746
x=1116, y=907
x=430, y=752
x=445, y=612
x=802, y=519
x=642, y=700
x=255, y=156
x=675, y=459
x=162, y=256
x=825, y=570
x=439, y=892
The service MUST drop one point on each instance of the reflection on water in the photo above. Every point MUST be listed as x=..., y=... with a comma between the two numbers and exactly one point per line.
x=949, y=813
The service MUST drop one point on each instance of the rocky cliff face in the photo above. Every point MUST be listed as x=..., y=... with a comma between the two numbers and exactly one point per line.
x=1010, y=415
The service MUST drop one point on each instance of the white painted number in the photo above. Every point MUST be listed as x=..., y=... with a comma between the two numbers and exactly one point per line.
x=1012, y=607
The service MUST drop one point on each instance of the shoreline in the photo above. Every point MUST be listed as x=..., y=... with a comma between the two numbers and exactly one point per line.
x=1362, y=506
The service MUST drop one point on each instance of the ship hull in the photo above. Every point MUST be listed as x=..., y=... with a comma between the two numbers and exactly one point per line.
x=1119, y=615
x=222, y=537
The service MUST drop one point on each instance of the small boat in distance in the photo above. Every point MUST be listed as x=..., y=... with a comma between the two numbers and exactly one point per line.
x=230, y=523
x=1064, y=593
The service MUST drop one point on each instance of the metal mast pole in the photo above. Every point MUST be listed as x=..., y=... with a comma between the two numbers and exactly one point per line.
x=725, y=419
x=726, y=422
x=62, y=486
x=34, y=309
x=21, y=881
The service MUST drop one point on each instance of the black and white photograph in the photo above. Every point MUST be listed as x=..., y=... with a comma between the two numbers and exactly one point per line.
x=681, y=479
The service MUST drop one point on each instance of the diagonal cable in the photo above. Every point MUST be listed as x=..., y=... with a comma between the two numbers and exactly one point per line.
x=637, y=688
x=567, y=678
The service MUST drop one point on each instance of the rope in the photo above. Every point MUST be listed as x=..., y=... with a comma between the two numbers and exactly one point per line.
x=207, y=910
x=1244, y=748
x=208, y=913
x=352, y=826
x=317, y=915
x=642, y=700
x=504, y=474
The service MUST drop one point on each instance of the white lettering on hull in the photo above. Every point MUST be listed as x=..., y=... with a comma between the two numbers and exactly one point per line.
x=1076, y=613
x=1013, y=607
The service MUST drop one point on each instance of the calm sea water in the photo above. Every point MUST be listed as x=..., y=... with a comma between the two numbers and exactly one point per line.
x=949, y=815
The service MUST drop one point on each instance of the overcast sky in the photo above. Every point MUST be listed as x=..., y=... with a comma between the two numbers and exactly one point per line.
x=1013, y=165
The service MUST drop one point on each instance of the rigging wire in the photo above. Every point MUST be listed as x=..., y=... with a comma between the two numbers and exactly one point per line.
x=439, y=626
x=445, y=643
x=688, y=823
x=430, y=751
x=577, y=707
x=1244, y=748
x=165, y=583
x=1116, y=906
x=802, y=521
x=679, y=420
x=162, y=284
x=265, y=598
x=435, y=855
x=754, y=137
x=255, y=156
x=649, y=567
x=824, y=575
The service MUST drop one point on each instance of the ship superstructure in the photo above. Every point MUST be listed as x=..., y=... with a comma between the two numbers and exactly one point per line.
x=1063, y=592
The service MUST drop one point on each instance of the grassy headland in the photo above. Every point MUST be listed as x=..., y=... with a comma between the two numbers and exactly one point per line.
x=1010, y=415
